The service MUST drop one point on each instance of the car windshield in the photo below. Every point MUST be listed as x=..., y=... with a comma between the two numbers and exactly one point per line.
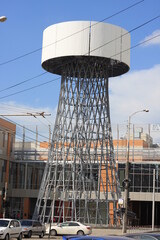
x=4, y=223
x=26, y=223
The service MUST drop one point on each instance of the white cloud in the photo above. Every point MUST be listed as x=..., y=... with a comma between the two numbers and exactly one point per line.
x=136, y=91
x=29, y=122
x=131, y=92
x=153, y=39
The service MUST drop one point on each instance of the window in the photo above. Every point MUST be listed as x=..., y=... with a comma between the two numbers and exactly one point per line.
x=26, y=223
x=16, y=224
x=12, y=224
x=3, y=139
x=64, y=224
x=4, y=223
x=73, y=224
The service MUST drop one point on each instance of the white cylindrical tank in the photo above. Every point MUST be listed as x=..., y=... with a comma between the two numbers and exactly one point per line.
x=65, y=41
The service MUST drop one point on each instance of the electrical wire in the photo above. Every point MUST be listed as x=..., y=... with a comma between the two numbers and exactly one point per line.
x=18, y=135
x=134, y=29
x=99, y=47
x=39, y=85
x=69, y=36
x=25, y=128
x=17, y=84
x=38, y=49
x=42, y=122
x=13, y=133
x=17, y=109
x=27, y=89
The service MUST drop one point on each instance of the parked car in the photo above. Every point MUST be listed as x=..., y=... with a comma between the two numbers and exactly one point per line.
x=10, y=228
x=76, y=237
x=145, y=236
x=32, y=227
x=70, y=227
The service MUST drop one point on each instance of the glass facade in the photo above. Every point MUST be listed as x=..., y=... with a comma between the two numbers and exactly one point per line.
x=141, y=176
x=34, y=175
x=26, y=175
x=16, y=206
x=3, y=165
x=17, y=175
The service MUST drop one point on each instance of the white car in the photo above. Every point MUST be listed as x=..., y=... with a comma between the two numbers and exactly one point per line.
x=69, y=228
x=10, y=228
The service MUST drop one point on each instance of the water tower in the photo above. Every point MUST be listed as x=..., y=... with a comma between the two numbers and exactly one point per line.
x=80, y=181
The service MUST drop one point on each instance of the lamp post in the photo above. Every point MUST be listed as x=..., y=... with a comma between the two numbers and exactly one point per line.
x=126, y=180
x=3, y=18
x=3, y=197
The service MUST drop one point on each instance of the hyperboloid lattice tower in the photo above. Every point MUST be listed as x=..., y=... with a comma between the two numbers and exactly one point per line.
x=80, y=181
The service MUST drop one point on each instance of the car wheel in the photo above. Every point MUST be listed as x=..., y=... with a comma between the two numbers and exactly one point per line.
x=19, y=237
x=53, y=232
x=7, y=237
x=29, y=234
x=80, y=232
x=41, y=235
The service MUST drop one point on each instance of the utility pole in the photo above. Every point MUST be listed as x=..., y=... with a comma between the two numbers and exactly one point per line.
x=153, y=200
x=126, y=180
x=23, y=143
x=49, y=134
x=4, y=196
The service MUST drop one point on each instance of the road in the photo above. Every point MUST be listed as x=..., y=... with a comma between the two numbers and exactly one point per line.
x=103, y=232
x=95, y=232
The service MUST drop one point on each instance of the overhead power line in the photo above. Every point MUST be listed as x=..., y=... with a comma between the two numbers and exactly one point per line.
x=17, y=109
x=132, y=30
x=42, y=114
x=27, y=89
x=137, y=45
x=20, y=135
x=26, y=128
x=132, y=47
x=15, y=85
x=38, y=49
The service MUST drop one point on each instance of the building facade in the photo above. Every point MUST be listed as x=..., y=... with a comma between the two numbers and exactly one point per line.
x=22, y=165
x=7, y=140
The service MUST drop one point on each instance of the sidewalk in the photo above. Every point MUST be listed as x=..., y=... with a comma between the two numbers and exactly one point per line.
x=106, y=231
x=118, y=231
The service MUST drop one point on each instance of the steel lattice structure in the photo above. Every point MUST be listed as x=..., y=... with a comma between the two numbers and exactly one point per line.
x=80, y=180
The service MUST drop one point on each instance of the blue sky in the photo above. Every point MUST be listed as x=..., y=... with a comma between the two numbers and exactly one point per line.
x=22, y=34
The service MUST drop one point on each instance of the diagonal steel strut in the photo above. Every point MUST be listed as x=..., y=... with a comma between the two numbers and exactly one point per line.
x=80, y=180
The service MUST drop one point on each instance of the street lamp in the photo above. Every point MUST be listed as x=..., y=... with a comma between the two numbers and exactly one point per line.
x=126, y=180
x=3, y=18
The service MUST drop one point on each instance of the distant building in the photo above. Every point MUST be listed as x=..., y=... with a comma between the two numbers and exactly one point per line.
x=22, y=165
x=7, y=140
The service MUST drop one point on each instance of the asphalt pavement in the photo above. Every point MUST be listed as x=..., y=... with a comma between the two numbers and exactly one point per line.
x=102, y=232
x=95, y=232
